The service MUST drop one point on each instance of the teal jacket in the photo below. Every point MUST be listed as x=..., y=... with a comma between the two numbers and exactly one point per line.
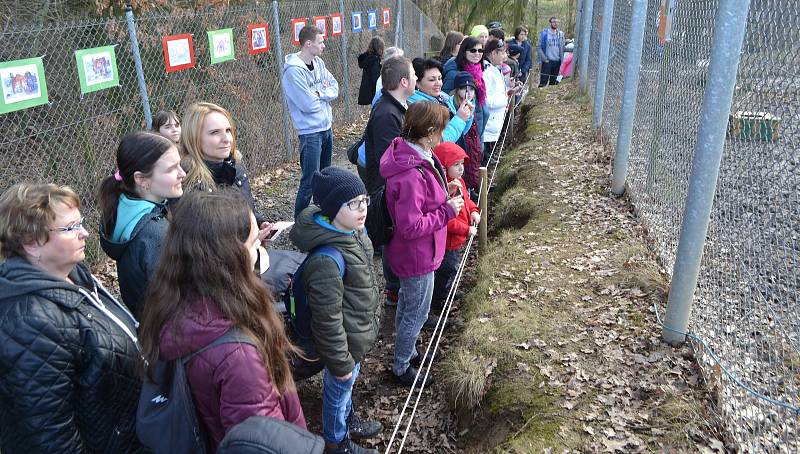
x=456, y=127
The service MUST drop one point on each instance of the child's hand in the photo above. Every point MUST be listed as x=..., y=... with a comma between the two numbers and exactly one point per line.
x=454, y=188
x=476, y=217
x=473, y=230
x=345, y=377
x=465, y=110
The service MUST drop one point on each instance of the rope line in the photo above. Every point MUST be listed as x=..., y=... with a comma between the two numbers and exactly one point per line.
x=438, y=331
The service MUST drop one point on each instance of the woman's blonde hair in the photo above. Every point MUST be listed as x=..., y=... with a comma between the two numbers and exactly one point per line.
x=197, y=173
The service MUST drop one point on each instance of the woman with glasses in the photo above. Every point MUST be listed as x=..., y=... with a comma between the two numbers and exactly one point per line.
x=69, y=349
x=345, y=311
x=496, y=96
x=133, y=209
x=420, y=204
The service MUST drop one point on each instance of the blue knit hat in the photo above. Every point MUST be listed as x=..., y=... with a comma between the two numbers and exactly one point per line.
x=462, y=79
x=333, y=187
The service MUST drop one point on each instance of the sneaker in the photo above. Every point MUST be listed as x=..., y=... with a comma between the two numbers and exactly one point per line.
x=360, y=429
x=407, y=378
x=417, y=361
x=391, y=297
x=347, y=446
x=430, y=323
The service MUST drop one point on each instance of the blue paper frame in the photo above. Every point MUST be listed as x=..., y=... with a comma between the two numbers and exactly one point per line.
x=355, y=17
x=372, y=19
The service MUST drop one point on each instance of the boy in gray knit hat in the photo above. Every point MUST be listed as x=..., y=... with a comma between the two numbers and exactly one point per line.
x=345, y=310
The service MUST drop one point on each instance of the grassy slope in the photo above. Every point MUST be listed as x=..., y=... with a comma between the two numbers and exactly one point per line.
x=560, y=347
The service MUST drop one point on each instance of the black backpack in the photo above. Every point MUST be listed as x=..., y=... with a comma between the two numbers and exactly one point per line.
x=299, y=316
x=379, y=223
x=166, y=420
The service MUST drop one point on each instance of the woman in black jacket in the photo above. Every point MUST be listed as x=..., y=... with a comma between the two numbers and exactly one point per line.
x=68, y=349
x=370, y=63
x=133, y=208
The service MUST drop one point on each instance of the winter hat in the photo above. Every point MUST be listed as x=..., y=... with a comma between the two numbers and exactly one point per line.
x=333, y=187
x=449, y=153
x=479, y=30
x=514, y=49
x=463, y=79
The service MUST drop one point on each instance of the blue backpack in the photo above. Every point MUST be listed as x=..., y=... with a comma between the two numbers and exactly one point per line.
x=299, y=315
x=166, y=420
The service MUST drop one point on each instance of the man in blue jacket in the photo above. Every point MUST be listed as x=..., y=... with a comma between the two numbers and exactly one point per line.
x=550, y=51
x=521, y=39
x=310, y=88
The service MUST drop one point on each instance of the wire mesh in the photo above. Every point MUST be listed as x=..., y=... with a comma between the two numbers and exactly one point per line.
x=745, y=306
x=72, y=139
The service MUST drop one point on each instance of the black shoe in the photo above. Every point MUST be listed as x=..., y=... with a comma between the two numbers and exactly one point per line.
x=407, y=378
x=417, y=361
x=360, y=430
x=430, y=325
x=347, y=446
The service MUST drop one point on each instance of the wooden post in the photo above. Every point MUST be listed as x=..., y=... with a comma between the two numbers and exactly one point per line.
x=483, y=236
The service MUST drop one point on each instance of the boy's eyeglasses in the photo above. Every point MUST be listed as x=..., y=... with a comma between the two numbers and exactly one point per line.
x=355, y=205
x=76, y=228
x=476, y=51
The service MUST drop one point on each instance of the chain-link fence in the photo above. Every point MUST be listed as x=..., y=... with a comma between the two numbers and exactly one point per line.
x=745, y=308
x=72, y=139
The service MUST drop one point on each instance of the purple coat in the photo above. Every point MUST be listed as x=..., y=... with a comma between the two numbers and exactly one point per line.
x=417, y=203
x=229, y=383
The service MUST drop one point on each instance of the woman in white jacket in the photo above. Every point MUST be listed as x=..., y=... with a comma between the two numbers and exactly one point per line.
x=496, y=96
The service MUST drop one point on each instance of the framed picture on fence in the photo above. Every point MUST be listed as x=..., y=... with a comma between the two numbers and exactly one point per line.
x=372, y=19
x=297, y=25
x=336, y=24
x=23, y=84
x=178, y=52
x=259, y=38
x=356, y=17
x=220, y=44
x=387, y=22
x=321, y=22
x=97, y=68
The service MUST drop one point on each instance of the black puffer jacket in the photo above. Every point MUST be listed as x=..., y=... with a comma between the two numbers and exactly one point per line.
x=67, y=365
x=345, y=315
x=264, y=435
x=137, y=258
x=370, y=65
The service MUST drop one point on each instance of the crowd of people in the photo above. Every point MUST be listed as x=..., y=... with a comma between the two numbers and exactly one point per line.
x=179, y=219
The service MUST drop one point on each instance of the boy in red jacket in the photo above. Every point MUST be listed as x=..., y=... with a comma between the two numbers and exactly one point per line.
x=453, y=158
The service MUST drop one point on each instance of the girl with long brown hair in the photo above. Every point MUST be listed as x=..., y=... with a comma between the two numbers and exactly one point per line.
x=204, y=285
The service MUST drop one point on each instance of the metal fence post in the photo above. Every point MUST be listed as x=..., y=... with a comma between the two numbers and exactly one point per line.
x=602, y=65
x=630, y=89
x=346, y=71
x=576, y=53
x=586, y=37
x=277, y=29
x=421, y=34
x=398, y=22
x=137, y=60
x=729, y=30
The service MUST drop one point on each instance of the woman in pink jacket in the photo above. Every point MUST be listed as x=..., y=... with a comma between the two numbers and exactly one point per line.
x=420, y=206
x=203, y=286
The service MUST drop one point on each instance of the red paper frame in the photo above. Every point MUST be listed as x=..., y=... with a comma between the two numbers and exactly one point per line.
x=386, y=23
x=324, y=21
x=250, y=29
x=172, y=68
x=341, y=24
x=295, y=39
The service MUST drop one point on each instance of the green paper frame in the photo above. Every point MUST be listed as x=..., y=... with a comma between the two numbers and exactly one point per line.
x=25, y=100
x=106, y=80
x=216, y=55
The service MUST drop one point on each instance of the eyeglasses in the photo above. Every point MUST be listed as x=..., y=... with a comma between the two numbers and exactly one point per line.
x=475, y=51
x=76, y=228
x=356, y=205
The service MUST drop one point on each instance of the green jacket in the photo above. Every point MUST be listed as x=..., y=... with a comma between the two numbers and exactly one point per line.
x=345, y=316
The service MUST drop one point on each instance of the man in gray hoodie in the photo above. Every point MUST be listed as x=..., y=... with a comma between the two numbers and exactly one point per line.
x=550, y=51
x=310, y=88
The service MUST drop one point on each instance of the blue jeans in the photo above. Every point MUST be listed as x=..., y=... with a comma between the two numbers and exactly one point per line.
x=337, y=402
x=315, y=154
x=412, y=311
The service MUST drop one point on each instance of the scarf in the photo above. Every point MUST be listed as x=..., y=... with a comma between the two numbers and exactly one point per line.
x=224, y=172
x=476, y=69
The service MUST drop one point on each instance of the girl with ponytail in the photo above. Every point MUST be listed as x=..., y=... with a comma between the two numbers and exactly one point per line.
x=133, y=205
